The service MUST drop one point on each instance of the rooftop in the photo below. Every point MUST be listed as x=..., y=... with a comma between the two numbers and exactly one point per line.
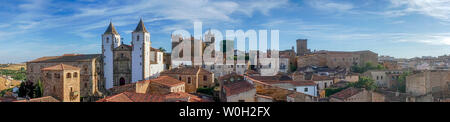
x=237, y=87
x=165, y=80
x=41, y=99
x=66, y=58
x=60, y=67
x=140, y=97
x=186, y=70
x=346, y=93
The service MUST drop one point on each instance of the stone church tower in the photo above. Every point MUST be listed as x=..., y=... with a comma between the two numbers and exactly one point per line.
x=140, y=53
x=110, y=40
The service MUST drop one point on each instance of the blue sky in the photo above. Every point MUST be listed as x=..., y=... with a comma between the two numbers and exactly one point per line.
x=401, y=28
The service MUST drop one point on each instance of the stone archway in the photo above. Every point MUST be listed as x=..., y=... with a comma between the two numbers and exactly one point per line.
x=122, y=81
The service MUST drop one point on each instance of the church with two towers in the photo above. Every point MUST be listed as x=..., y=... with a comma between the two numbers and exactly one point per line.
x=124, y=64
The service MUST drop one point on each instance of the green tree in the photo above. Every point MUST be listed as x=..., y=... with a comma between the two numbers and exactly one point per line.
x=26, y=89
x=162, y=49
x=364, y=82
x=208, y=91
x=401, y=82
x=38, y=90
x=368, y=66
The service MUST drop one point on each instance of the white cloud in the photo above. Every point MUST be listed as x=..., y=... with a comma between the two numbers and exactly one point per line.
x=439, y=9
x=330, y=6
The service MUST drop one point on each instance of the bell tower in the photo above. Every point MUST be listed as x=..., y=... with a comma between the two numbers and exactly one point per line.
x=140, y=64
x=110, y=40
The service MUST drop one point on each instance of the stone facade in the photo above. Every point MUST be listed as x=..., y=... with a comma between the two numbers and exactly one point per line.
x=194, y=77
x=384, y=78
x=62, y=82
x=335, y=59
x=90, y=70
x=302, y=47
x=161, y=85
x=233, y=88
x=351, y=95
x=122, y=65
x=300, y=97
x=425, y=82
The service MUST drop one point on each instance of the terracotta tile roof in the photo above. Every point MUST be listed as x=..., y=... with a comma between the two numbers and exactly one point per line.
x=251, y=72
x=298, y=94
x=140, y=97
x=154, y=49
x=264, y=96
x=186, y=71
x=7, y=99
x=61, y=67
x=346, y=93
x=41, y=99
x=184, y=97
x=276, y=78
x=233, y=75
x=320, y=78
x=124, y=88
x=66, y=58
x=165, y=80
x=133, y=97
x=302, y=83
x=237, y=87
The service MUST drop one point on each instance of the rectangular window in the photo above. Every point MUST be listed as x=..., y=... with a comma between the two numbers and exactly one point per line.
x=306, y=89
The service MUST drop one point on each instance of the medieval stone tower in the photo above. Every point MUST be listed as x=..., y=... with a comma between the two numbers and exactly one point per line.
x=140, y=64
x=110, y=40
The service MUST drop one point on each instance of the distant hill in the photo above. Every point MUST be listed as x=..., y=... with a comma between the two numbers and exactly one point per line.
x=13, y=66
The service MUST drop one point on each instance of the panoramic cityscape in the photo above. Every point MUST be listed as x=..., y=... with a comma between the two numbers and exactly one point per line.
x=225, y=51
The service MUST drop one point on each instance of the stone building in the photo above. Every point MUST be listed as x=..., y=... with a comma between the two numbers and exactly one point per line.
x=322, y=81
x=428, y=81
x=349, y=77
x=90, y=70
x=234, y=88
x=62, y=82
x=300, y=97
x=160, y=85
x=302, y=47
x=123, y=64
x=285, y=82
x=335, y=59
x=384, y=78
x=351, y=95
x=194, y=77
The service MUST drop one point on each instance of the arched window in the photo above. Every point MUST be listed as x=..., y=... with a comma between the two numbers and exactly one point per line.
x=107, y=39
x=75, y=74
x=179, y=78
x=137, y=38
x=69, y=75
